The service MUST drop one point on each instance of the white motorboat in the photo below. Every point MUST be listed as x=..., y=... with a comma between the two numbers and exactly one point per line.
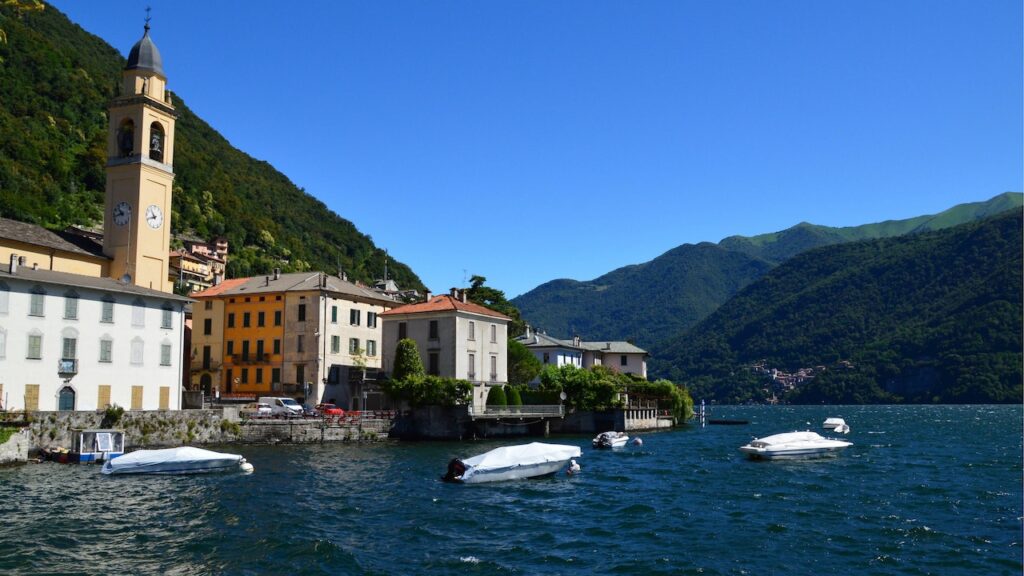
x=512, y=463
x=837, y=424
x=610, y=440
x=182, y=460
x=793, y=445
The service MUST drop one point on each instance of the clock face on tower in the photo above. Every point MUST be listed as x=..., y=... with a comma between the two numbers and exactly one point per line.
x=122, y=213
x=154, y=216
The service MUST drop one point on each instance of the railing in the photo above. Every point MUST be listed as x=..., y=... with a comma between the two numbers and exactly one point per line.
x=524, y=411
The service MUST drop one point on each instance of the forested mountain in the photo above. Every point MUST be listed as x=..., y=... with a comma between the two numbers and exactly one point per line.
x=55, y=83
x=931, y=317
x=651, y=302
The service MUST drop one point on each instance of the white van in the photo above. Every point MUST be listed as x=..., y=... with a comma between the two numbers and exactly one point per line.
x=286, y=407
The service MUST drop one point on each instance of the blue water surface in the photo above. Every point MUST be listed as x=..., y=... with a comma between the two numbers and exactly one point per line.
x=924, y=490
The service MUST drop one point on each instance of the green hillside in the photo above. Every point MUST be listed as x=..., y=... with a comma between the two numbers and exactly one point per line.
x=931, y=317
x=651, y=302
x=55, y=82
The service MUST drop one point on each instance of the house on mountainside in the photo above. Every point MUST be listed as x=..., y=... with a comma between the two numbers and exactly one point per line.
x=622, y=357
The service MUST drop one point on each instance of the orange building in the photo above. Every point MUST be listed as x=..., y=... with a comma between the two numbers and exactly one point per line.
x=285, y=334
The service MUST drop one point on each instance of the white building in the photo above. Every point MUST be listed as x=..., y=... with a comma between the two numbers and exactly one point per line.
x=74, y=342
x=455, y=339
x=621, y=357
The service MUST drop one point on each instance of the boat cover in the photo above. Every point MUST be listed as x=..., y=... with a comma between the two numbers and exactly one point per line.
x=522, y=455
x=183, y=458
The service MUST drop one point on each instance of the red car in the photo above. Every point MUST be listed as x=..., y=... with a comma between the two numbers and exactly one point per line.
x=329, y=410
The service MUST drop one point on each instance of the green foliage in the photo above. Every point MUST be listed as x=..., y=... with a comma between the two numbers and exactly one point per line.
x=429, y=390
x=408, y=365
x=112, y=416
x=932, y=317
x=56, y=81
x=495, y=300
x=6, y=432
x=601, y=388
x=230, y=428
x=656, y=301
x=513, y=395
x=523, y=366
x=496, y=396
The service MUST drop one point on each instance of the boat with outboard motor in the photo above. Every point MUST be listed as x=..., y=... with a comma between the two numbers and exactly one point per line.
x=793, y=445
x=512, y=463
x=610, y=439
x=181, y=460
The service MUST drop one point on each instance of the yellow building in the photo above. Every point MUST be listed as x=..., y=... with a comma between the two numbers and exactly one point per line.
x=293, y=334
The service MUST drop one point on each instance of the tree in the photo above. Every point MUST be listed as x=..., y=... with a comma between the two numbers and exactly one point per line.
x=408, y=365
x=495, y=300
x=496, y=396
x=523, y=366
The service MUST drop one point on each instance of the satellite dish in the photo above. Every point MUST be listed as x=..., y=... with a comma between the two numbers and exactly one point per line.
x=562, y=395
x=127, y=278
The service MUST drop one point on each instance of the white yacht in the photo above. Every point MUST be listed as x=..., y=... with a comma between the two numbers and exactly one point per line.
x=793, y=445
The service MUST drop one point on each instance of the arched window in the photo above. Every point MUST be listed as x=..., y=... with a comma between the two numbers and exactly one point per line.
x=156, y=142
x=126, y=137
x=66, y=400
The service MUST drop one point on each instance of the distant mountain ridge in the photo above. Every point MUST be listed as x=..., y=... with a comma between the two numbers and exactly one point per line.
x=650, y=302
x=56, y=81
x=930, y=317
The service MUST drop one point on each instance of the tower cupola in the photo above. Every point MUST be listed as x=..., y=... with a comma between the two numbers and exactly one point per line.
x=144, y=56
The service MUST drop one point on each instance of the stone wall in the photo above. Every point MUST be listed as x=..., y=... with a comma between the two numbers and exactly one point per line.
x=162, y=429
x=15, y=450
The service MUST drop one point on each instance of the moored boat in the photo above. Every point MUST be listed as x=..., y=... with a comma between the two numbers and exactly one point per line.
x=181, y=460
x=793, y=445
x=610, y=439
x=512, y=463
x=88, y=445
x=837, y=424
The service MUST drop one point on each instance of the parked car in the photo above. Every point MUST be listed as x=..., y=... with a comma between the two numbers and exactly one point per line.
x=329, y=410
x=282, y=407
x=256, y=410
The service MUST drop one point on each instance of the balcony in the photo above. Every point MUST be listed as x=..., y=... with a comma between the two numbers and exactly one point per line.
x=67, y=367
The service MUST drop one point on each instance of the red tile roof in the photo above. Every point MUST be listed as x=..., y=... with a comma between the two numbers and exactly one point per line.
x=219, y=288
x=444, y=303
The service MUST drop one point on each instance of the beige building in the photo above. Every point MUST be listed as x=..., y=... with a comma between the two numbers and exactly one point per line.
x=455, y=339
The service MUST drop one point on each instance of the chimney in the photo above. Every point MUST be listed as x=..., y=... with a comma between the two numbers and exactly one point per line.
x=607, y=345
x=323, y=280
x=454, y=292
x=266, y=280
x=35, y=265
x=277, y=273
x=527, y=331
x=576, y=341
x=14, y=263
x=426, y=295
x=462, y=295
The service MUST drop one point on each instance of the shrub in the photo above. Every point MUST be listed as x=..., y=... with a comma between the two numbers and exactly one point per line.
x=496, y=396
x=514, y=398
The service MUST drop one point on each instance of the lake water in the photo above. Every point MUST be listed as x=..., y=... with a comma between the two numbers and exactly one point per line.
x=924, y=490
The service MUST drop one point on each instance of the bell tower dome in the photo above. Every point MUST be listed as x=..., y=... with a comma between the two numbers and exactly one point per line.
x=140, y=173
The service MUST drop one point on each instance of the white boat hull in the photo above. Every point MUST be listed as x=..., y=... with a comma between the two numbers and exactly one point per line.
x=186, y=460
x=610, y=440
x=512, y=463
x=793, y=445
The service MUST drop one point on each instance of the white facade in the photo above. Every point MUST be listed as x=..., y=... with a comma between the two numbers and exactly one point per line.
x=74, y=347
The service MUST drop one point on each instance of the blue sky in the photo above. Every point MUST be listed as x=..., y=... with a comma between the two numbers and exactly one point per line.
x=532, y=140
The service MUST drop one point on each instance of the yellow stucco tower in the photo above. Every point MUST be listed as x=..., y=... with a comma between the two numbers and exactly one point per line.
x=140, y=148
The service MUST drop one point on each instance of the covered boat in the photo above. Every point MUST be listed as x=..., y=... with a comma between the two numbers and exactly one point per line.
x=793, y=445
x=182, y=460
x=512, y=463
x=610, y=440
x=837, y=424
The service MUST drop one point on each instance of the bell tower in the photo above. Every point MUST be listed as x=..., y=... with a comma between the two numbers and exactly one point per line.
x=140, y=155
